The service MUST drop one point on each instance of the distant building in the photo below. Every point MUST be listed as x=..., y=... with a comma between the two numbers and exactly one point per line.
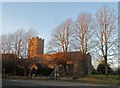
x=55, y=60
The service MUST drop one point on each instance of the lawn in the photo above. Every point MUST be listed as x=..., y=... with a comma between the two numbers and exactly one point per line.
x=95, y=79
x=112, y=79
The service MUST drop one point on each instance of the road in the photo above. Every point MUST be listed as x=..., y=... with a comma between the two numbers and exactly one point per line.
x=10, y=83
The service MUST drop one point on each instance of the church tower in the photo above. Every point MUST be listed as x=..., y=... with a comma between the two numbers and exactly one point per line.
x=35, y=46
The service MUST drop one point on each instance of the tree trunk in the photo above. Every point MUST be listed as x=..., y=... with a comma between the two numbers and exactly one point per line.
x=106, y=67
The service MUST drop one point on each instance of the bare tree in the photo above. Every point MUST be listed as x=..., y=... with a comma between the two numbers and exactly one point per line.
x=61, y=39
x=16, y=43
x=6, y=43
x=28, y=34
x=21, y=41
x=105, y=26
x=82, y=37
x=19, y=37
x=83, y=32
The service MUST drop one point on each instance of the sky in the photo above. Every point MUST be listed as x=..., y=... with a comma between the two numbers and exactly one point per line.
x=44, y=16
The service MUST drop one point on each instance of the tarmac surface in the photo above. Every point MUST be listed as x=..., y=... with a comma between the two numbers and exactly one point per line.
x=20, y=83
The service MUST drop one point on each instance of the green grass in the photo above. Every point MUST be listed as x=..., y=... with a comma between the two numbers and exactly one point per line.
x=112, y=79
x=116, y=77
x=96, y=79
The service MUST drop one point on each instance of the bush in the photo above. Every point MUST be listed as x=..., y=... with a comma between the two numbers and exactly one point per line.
x=101, y=68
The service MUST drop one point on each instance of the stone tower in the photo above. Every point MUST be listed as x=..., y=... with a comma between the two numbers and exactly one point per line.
x=35, y=46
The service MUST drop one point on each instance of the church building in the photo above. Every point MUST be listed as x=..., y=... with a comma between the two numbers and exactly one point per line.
x=73, y=61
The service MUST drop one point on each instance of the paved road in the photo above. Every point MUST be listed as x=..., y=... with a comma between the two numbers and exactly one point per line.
x=7, y=83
